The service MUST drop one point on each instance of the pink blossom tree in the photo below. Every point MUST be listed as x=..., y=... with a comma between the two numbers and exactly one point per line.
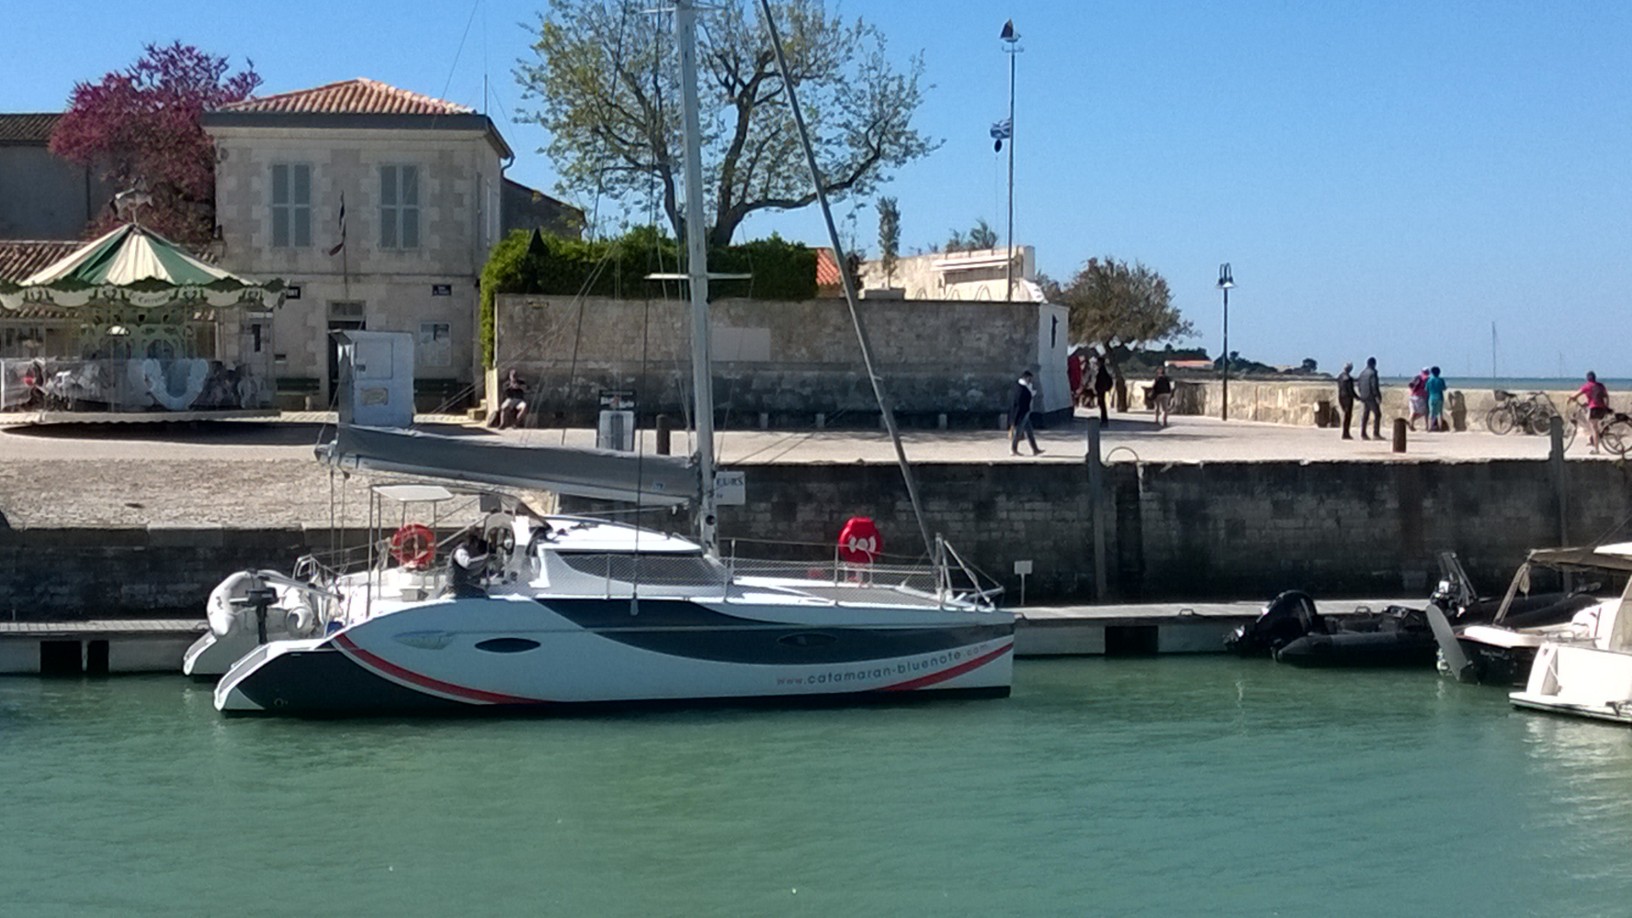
x=140, y=129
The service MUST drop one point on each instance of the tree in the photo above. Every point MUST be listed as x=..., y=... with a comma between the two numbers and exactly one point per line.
x=140, y=128
x=606, y=81
x=889, y=237
x=1114, y=303
x=980, y=236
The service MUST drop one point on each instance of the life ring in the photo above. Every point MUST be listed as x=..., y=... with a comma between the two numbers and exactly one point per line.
x=860, y=541
x=414, y=546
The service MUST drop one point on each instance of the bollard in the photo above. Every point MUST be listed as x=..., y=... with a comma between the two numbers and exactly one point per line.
x=1003, y=420
x=764, y=420
x=821, y=420
x=1399, y=435
x=665, y=430
x=940, y=421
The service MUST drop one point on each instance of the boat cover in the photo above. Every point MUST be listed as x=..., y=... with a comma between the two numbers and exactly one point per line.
x=592, y=473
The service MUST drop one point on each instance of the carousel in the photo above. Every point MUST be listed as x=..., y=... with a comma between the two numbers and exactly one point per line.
x=132, y=327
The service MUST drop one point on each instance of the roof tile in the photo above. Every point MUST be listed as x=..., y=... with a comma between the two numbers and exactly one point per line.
x=21, y=258
x=27, y=127
x=350, y=97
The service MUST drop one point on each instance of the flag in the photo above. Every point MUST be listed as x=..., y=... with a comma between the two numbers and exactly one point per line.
x=1001, y=131
x=342, y=243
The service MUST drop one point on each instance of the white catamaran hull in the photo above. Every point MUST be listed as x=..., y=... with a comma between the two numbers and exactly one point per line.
x=521, y=652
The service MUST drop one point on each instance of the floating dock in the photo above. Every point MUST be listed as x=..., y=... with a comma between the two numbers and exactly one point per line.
x=97, y=647
x=1154, y=628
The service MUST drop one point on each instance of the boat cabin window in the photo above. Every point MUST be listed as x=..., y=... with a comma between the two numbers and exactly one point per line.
x=667, y=569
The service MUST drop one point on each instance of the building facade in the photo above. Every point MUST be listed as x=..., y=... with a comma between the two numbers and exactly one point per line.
x=377, y=206
x=42, y=195
x=976, y=274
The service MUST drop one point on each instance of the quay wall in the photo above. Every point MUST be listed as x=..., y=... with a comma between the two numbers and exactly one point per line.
x=1195, y=531
x=1179, y=531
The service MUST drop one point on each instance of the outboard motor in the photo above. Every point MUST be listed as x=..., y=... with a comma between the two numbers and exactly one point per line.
x=1287, y=617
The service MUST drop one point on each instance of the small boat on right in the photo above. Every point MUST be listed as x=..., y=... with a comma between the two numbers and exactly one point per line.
x=1588, y=674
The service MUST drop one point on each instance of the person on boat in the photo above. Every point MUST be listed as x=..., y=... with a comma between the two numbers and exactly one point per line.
x=1020, y=420
x=1162, y=391
x=513, y=402
x=1345, y=399
x=1370, y=393
x=1435, y=388
x=468, y=571
x=1595, y=396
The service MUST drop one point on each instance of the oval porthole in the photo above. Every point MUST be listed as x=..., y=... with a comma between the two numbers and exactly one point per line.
x=506, y=645
x=806, y=639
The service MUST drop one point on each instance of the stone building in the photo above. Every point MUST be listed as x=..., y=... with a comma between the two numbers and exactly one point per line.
x=42, y=195
x=977, y=274
x=377, y=206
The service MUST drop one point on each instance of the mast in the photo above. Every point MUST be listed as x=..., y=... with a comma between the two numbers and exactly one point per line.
x=702, y=375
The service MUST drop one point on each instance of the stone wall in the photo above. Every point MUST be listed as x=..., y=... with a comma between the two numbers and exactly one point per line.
x=788, y=361
x=1296, y=402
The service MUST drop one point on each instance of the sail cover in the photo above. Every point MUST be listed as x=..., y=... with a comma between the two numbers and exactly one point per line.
x=593, y=473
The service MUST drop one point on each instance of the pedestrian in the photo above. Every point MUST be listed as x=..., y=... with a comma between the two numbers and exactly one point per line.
x=1102, y=391
x=1020, y=421
x=513, y=403
x=1418, y=389
x=1345, y=399
x=1073, y=373
x=1435, y=388
x=1370, y=393
x=1596, y=397
x=1162, y=391
x=1089, y=381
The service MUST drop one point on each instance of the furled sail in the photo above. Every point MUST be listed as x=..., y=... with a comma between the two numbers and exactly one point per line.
x=593, y=473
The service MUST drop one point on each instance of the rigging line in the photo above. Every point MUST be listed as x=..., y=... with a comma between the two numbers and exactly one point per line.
x=848, y=281
x=459, y=50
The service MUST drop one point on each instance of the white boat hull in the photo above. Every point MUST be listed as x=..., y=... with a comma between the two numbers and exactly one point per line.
x=520, y=652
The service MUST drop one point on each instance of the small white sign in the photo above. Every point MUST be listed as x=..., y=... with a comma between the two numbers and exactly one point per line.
x=730, y=488
x=1022, y=567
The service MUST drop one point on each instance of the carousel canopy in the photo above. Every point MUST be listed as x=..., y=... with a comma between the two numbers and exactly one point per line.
x=137, y=267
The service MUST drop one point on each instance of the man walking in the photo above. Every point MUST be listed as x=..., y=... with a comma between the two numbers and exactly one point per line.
x=1345, y=398
x=1020, y=414
x=1370, y=393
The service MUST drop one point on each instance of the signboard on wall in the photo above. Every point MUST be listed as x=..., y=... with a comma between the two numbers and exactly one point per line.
x=441, y=290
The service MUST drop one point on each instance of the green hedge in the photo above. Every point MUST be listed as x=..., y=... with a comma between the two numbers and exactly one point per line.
x=618, y=268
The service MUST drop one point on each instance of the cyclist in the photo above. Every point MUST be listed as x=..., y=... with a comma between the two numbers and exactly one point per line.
x=1596, y=398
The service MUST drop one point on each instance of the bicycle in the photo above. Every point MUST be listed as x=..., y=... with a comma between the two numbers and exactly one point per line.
x=1530, y=414
x=1614, y=431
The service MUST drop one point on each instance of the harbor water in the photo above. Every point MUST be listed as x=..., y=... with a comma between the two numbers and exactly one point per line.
x=1157, y=786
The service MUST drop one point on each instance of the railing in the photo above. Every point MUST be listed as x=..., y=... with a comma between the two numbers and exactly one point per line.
x=130, y=385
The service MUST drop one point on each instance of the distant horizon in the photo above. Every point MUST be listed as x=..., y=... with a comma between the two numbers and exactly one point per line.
x=1390, y=179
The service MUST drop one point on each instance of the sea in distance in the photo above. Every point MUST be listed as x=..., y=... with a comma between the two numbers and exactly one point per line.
x=1171, y=786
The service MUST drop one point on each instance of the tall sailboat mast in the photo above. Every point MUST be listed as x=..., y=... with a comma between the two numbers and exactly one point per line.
x=702, y=372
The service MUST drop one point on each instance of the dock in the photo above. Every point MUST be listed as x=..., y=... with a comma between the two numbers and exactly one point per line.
x=97, y=647
x=1153, y=628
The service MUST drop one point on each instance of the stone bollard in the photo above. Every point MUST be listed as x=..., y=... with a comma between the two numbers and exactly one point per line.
x=764, y=420
x=940, y=421
x=821, y=420
x=1002, y=420
x=665, y=431
x=1399, y=435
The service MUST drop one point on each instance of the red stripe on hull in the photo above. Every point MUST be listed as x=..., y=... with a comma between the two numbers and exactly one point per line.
x=386, y=667
x=952, y=673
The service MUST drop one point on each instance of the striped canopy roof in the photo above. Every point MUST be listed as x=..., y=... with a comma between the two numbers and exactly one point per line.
x=135, y=266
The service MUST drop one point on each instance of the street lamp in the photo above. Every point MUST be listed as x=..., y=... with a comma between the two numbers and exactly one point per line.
x=1225, y=281
x=1012, y=39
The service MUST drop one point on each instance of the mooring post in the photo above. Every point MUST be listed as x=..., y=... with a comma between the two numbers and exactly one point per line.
x=665, y=431
x=1096, y=497
x=1555, y=465
x=1399, y=435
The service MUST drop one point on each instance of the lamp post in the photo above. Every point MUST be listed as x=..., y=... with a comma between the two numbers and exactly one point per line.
x=1225, y=281
x=1011, y=38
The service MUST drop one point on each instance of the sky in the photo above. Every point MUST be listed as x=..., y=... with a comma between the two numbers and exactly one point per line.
x=1385, y=178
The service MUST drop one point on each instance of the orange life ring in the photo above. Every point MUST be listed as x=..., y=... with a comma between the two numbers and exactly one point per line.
x=414, y=546
x=860, y=541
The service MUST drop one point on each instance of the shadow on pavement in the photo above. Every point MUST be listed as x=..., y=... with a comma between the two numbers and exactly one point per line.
x=221, y=433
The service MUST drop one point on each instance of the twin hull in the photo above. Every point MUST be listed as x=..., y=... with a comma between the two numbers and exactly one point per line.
x=517, y=651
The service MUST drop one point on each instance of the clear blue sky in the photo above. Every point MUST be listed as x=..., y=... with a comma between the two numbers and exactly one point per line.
x=1387, y=178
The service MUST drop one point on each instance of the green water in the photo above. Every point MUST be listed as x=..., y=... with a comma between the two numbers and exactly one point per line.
x=1172, y=786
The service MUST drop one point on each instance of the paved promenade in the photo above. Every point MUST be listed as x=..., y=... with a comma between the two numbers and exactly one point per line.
x=262, y=474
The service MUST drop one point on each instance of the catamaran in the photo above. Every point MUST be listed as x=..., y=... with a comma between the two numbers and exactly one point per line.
x=589, y=612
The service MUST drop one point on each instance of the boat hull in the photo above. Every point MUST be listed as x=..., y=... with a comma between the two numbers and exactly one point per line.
x=544, y=655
